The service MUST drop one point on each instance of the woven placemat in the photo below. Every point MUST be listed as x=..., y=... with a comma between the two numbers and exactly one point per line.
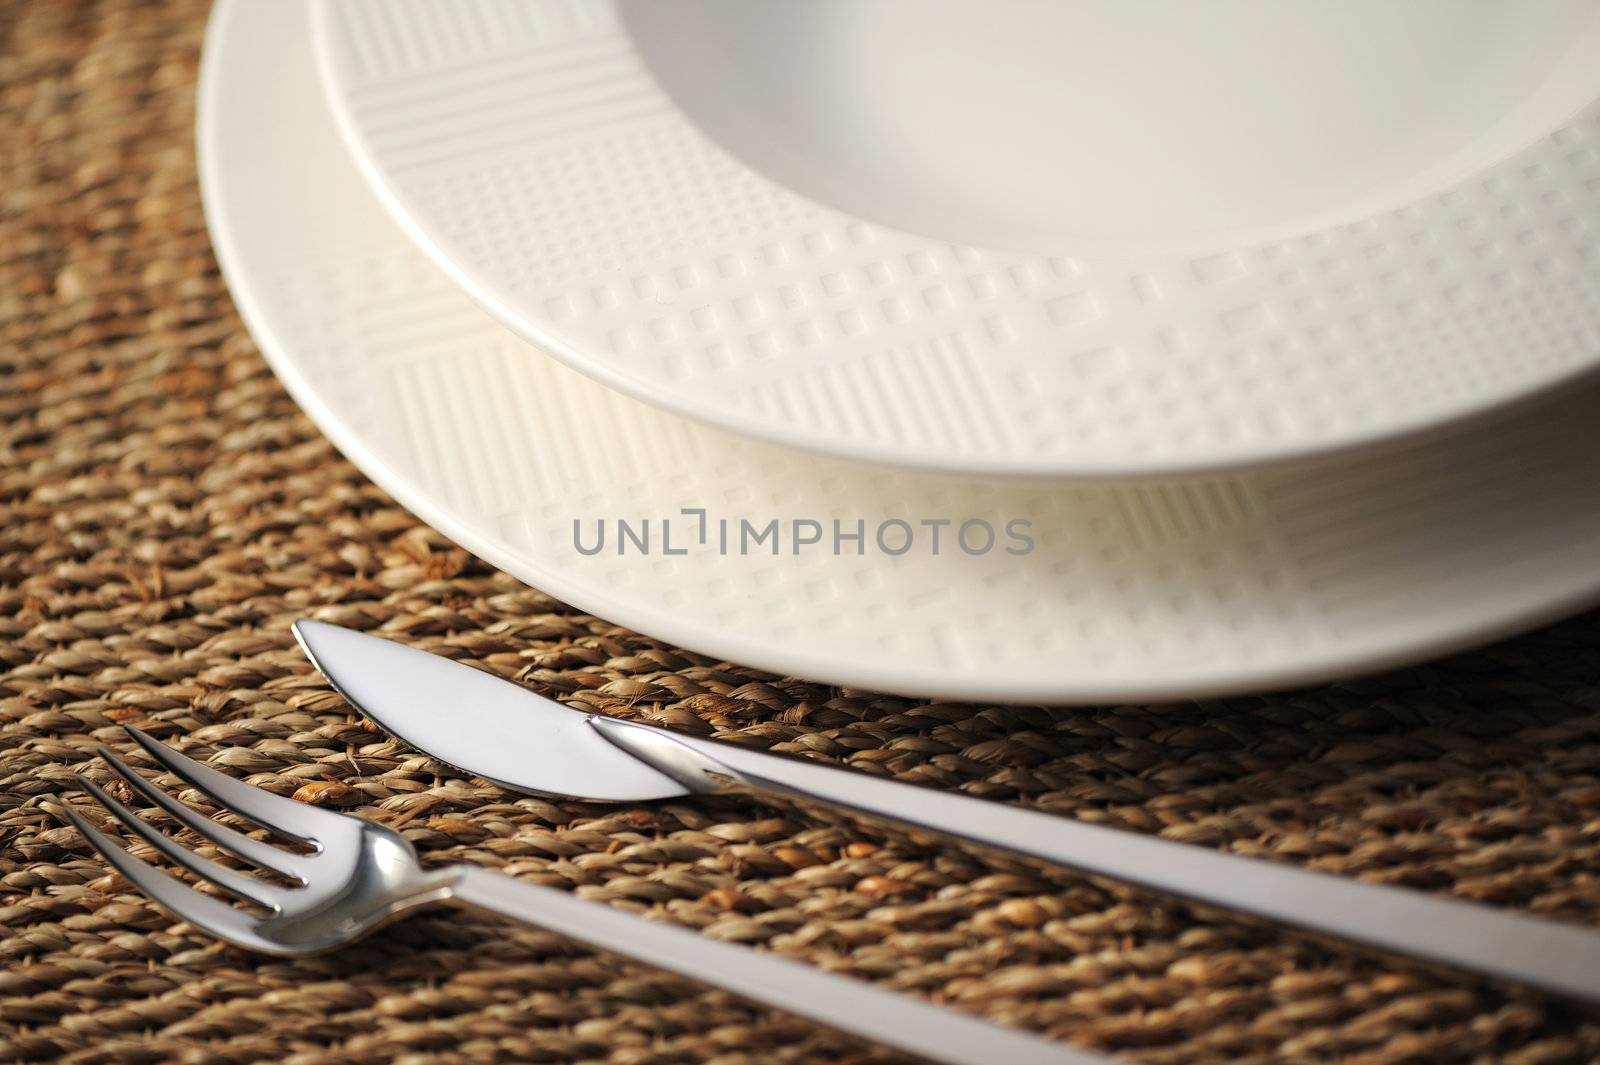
x=166, y=512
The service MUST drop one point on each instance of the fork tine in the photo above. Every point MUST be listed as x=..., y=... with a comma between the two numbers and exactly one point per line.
x=177, y=898
x=248, y=888
x=282, y=862
x=296, y=820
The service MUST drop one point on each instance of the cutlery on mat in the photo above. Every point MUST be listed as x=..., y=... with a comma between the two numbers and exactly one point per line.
x=507, y=734
x=360, y=875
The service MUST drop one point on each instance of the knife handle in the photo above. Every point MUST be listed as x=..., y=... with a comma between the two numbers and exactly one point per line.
x=1561, y=959
x=873, y=1013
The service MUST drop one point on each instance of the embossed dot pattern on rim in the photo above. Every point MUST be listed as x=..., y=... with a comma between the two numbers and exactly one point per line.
x=1136, y=590
x=529, y=149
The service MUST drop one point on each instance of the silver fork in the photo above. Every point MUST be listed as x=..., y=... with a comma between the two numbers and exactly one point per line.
x=360, y=875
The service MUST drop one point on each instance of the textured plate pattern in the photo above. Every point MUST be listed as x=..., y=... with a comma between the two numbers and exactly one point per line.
x=527, y=146
x=1135, y=590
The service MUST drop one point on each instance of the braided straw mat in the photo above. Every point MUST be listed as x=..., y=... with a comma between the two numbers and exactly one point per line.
x=166, y=512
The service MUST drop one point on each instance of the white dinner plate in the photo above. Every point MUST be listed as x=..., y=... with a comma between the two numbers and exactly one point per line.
x=1088, y=237
x=1132, y=590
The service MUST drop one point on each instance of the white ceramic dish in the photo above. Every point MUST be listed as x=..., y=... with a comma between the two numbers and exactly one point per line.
x=1096, y=237
x=1134, y=591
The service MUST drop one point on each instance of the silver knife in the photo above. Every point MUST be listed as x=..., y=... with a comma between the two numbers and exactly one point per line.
x=506, y=734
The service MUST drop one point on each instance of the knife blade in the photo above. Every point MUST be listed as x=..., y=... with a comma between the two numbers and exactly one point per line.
x=477, y=722
x=500, y=731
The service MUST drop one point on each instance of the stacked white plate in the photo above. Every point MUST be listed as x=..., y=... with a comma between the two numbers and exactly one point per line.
x=1103, y=350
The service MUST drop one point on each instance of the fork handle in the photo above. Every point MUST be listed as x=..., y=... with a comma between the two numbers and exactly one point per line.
x=886, y=1017
x=1558, y=958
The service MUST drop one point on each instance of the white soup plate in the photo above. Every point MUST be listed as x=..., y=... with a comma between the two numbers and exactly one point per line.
x=1078, y=237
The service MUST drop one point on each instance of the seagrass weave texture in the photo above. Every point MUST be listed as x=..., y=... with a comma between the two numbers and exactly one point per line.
x=166, y=512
